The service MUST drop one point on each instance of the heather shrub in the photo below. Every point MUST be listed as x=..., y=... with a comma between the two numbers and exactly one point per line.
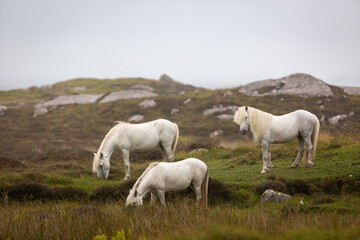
x=270, y=184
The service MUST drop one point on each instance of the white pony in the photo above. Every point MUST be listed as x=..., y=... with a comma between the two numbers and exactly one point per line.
x=267, y=129
x=162, y=177
x=142, y=137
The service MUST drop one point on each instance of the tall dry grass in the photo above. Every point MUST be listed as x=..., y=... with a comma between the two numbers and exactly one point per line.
x=75, y=221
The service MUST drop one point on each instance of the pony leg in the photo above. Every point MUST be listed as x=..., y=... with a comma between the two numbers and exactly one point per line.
x=153, y=199
x=309, y=152
x=163, y=153
x=300, y=152
x=198, y=193
x=126, y=154
x=169, y=153
x=269, y=163
x=161, y=195
x=265, y=156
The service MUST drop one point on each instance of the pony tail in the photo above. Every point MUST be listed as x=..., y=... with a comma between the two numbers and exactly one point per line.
x=314, y=139
x=204, y=189
x=315, y=136
x=174, y=144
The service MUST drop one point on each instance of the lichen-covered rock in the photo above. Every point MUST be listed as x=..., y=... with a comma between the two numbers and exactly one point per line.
x=335, y=120
x=216, y=133
x=228, y=93
x=295, y=84
x=274, y=196
x=2, y=110
x=226, y=117
x=70, y=99
x=351, y=90
x=148, y=103
x=40, y=111
x=127, y=94
x=143, y=87
x=136, y=118
x=174, y=111
x=219, y=108
x=187, y=101
x=43, y=107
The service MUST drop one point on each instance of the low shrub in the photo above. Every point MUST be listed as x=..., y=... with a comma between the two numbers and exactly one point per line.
x=113, y=193
x=218, y=192
x=270, y=184
x=29, y=191
x=298, y=186
x=70, y=193
x=330, y=185
x=7, y=163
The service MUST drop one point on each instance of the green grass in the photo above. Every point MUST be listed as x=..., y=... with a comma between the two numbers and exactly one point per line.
x=53, y=153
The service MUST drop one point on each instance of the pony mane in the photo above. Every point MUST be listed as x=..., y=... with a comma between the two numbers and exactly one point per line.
x=96, y=162
x=151, y=166
x=258, y=121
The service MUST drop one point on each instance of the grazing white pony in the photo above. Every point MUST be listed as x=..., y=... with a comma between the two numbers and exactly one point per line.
x=162, y=177
x=268, y=129
x=141, y=137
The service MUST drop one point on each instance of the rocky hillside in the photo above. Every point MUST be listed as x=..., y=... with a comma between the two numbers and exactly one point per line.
x=75, y=115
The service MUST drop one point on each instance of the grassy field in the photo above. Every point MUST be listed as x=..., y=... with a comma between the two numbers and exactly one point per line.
x=47, y=190
x=87, y=207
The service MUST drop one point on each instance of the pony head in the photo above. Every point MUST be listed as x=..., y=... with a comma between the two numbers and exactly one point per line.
x=134, y=198
x=242, y=118
x=101, y=165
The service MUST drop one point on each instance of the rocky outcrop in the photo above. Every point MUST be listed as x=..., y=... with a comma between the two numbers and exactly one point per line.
x=127, y=94
x=40, y=111
x=136, y=118
x=187, y=101
x=219, y=109
x=228, y=93
x=336, y=119
x=142, y=87
x=216, y=133
x=70, y=99
x=226, y=117
x=274, y=196
x=2, y=110
x=351, y=90
x=174, y=111
x=148, y=103
x=166, y=78
x=43, y=107
x=295, y=84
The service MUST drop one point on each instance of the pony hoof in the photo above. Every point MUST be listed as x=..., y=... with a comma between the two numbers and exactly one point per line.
x=126, y=178
x=294, y=165
x=264, y=170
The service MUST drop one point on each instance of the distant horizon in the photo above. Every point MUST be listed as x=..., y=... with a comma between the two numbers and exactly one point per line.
x=206, y=43
x=156, y=79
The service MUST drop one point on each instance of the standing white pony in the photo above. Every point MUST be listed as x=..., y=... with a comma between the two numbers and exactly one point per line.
x=142, y=137
x=162, y=177
x=267, y=129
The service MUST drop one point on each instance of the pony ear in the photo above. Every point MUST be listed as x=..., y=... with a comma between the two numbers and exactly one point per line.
x=101, y=155
x=94, y=154
x=246, y=108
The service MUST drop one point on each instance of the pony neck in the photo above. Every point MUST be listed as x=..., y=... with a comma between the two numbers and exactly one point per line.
x=259, y=122
x=110, y=142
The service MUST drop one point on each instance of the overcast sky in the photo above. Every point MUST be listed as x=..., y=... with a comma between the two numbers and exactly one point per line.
x=213, y=44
